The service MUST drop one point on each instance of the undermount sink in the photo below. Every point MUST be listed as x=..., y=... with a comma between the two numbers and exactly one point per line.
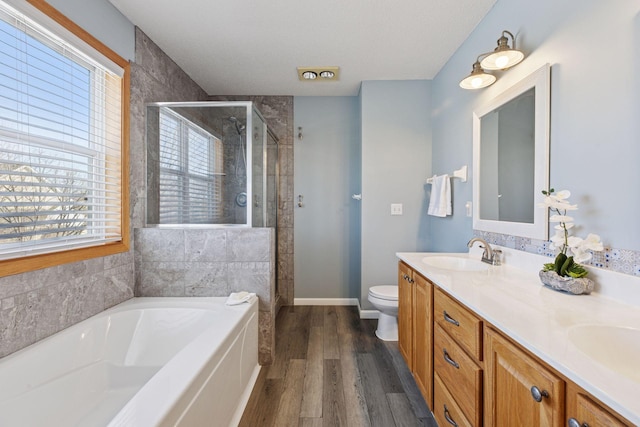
x=616, y=347
x=454, y=263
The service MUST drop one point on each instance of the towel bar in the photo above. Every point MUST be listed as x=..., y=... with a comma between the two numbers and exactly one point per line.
x=460, y=173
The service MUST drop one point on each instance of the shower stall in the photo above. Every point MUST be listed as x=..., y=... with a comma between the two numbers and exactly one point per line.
x=210, y=163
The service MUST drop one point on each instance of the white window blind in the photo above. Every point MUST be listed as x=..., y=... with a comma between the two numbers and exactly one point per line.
x=60, y=143
x=191, y=165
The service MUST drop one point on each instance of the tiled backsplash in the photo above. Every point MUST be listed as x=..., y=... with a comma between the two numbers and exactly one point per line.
x=620, y=260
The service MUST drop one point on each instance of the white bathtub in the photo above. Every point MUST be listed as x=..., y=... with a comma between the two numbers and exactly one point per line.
x=146, y=362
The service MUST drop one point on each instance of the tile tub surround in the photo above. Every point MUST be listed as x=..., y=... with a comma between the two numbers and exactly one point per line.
x=210, y=262
x=39, y=303
x=512, y=298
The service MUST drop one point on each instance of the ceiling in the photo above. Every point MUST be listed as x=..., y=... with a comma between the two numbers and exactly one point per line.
x=252, y=47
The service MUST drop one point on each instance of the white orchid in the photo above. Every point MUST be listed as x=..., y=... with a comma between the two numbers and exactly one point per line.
x=580, y=248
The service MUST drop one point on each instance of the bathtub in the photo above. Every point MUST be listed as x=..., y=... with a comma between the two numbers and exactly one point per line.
x=145, y=362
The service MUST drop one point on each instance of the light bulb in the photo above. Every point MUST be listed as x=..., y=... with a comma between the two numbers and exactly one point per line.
x=502, y=61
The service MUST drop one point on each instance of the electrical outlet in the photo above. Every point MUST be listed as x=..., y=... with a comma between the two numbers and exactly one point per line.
x=396, y=209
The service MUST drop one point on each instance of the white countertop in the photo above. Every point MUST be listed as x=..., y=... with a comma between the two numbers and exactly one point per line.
x=512, y=298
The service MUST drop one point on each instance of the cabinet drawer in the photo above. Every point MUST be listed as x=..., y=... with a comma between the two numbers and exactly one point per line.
x=459, y=374
x=445, y=408
x=582, y=410
x=459, y=323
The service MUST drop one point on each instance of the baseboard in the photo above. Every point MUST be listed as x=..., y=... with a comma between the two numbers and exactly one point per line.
x=368, y=314
x=325, y=301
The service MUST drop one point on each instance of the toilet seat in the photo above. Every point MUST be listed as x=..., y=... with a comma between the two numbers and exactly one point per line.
x=384, y=292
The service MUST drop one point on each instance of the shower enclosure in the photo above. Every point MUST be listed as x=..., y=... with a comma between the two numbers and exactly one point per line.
x=213, y=163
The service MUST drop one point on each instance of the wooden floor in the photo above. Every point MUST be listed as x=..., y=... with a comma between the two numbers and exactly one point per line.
x=331, y=370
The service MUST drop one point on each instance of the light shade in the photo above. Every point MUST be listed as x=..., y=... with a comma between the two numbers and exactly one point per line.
x=503, y=56
x=478, y=78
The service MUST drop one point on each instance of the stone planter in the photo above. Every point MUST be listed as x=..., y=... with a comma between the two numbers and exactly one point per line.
x=570, y=285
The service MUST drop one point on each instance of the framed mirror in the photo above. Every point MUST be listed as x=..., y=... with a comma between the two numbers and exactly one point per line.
x=511, y=159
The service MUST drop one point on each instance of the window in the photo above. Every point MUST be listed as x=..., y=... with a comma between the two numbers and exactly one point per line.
x=191, y=164
x=63, y=107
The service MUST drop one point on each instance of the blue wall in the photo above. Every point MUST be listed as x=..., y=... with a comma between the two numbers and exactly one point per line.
x=595, y=112
x=396, y=160
x=327, y=172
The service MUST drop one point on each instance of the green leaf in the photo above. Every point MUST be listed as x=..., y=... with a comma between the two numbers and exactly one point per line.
x=577, y=271
x=560, y=260
x=549, y=267
x=566, y=266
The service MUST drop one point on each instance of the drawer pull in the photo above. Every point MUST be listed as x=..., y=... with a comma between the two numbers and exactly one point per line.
x=449, y=360
x=450, y=319
x=575, y=423
x=537, y=394
x=448, y=417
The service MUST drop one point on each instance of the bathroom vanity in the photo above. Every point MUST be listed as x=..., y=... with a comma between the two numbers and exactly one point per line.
x=489, y=345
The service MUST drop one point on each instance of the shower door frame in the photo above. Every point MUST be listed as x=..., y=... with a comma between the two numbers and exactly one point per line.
x=249, y=143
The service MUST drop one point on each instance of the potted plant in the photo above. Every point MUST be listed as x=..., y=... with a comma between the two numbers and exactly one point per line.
x=566, y=273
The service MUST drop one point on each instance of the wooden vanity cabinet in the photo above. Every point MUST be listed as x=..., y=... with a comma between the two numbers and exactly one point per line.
x=520, y=391
x=583, y=411
x=415, y=327
x=405, y=313
x=497, y=382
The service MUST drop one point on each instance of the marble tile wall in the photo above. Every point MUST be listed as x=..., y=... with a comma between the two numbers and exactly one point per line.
x=154, y=78
x=40, y=303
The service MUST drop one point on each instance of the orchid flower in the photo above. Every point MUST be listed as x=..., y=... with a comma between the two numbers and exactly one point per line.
x=581, y=249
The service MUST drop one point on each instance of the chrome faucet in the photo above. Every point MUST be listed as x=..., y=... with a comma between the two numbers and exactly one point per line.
x=490, y=255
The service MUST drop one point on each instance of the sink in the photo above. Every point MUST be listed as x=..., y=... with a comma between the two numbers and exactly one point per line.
x=447, y=262
x=616, y=347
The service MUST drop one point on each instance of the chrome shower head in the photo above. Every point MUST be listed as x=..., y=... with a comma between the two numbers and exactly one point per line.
x=239, y=127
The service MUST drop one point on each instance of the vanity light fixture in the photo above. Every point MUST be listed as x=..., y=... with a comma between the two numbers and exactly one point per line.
x=501, y=58
x=478, y=78
x=318, y=74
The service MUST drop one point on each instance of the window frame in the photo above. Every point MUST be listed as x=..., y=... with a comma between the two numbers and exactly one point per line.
x=52, y=259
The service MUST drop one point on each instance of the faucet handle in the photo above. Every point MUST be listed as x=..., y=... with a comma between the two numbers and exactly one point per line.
x=497, y=253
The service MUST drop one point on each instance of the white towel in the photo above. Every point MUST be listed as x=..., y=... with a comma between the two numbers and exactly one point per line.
x=440, y=201
x=237, y=298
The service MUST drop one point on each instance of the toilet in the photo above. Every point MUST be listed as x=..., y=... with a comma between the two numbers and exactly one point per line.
x=385, y=300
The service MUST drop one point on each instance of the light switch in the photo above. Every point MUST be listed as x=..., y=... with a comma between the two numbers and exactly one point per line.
x=396, y=209
x=469, y=207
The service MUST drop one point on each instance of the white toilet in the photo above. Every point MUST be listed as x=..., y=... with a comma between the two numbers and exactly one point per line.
x=385, y=300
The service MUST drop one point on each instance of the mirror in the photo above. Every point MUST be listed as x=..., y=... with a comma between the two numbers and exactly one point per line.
x=511, y=159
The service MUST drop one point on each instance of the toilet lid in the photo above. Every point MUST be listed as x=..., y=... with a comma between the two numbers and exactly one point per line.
x=387, y=292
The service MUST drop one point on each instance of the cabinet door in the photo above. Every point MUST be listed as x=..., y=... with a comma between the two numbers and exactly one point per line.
x=511, y=375
x=405, y=307
x=583, y=411
x=423, y=337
